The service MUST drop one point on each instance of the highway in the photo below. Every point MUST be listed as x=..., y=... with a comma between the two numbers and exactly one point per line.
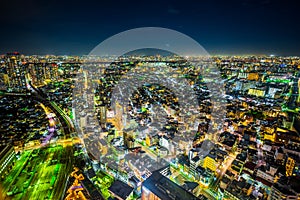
x=66, y=122
x=67, y=141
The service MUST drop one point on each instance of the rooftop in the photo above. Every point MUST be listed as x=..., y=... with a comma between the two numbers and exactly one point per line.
x=120, y=189
x=166, y=189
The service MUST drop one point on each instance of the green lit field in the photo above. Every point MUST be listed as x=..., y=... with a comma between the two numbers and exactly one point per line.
x=38, y=174
x=103, y=181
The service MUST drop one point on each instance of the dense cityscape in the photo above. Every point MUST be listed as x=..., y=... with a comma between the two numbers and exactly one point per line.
x=60, y=138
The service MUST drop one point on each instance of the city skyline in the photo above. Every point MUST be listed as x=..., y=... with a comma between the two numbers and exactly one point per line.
x=63, y=139
x=150, y=100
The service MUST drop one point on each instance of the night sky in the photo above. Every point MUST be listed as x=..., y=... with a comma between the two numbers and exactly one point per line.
x=221, y=27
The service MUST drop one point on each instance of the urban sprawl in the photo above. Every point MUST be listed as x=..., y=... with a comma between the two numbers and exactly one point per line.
x=64, y=135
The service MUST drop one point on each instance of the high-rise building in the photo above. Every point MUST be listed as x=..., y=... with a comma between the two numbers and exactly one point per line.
x=16, y=72
x=50, y=71
x=41, y=72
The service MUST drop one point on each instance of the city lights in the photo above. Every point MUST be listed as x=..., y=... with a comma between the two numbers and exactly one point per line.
x=254, y=155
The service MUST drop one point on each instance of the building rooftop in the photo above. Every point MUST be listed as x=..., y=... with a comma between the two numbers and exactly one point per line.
x=91, y=189
x=120, y=189
x=166, y=189
x=196, y=159
x=183, y=160
x=250, y=165
x=190, y=186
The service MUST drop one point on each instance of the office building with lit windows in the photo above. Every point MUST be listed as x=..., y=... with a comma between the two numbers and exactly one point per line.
x=16, y=72
x=210, y=162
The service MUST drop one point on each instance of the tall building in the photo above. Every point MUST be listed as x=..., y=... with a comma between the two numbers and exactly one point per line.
x=41, y=72
x=16, y=72
x=50, y=71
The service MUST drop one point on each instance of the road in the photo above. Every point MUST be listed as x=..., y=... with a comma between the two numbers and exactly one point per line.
x=231, y=157
x=67, y=141
x=64, y=119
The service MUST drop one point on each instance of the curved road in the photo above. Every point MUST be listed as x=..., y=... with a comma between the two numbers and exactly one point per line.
x=66, y=122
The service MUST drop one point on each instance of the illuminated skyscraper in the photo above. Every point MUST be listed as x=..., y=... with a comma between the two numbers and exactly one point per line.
x=36, y=73
x=16, y=72
x=50, y=71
